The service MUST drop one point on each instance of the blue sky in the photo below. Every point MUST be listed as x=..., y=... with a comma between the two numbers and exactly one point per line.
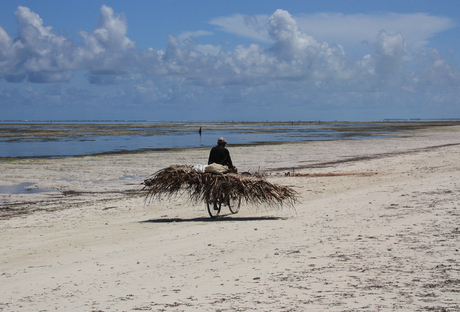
x=229, y=61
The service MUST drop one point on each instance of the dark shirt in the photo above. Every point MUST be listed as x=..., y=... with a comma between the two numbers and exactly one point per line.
x=220, y=155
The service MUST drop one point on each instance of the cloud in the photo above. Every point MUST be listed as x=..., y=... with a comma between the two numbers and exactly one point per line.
x=436, y=72
x=289, y=42
x=15, y=78
x=344, y=29
x=38, y=49
x=254, y=27
x=293, y=55
x=109, y=37
x=194, y=34
x=38, y=54
x=355, y=28
x=44, y=76
x=288, y=62
x=41, y=55
x=390, y=50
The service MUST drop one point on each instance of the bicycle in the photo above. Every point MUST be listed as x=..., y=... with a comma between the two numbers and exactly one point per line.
x=214, y=207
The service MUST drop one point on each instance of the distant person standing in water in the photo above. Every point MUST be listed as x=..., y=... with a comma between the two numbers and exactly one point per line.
x=220, y=155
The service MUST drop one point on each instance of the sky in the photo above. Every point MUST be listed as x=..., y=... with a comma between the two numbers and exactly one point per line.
x=210, y=60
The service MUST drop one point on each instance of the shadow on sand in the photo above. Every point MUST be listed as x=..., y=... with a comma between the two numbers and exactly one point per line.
x=223, y=218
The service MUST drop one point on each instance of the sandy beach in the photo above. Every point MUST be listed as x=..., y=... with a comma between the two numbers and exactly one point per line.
x=377, y=228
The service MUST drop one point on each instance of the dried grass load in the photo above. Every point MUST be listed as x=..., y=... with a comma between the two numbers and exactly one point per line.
x=240, y=188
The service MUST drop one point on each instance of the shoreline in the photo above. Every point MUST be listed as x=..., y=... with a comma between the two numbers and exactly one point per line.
x=37, y=141
x=376, y=228
x=70, y=185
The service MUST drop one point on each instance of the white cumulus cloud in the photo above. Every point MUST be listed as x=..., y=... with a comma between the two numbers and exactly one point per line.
x=41, y=55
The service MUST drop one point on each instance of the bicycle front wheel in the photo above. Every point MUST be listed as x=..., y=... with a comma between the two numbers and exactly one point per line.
x=213, y=208
x=235, y=208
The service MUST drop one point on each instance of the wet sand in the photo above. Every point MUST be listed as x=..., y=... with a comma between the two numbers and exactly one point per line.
x=376, y=228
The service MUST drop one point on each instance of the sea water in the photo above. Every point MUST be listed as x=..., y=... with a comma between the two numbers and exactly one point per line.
x=67, y=139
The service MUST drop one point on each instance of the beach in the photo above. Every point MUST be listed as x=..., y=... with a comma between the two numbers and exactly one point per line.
x=376, y=228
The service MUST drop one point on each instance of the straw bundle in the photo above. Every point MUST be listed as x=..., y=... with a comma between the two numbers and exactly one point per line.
x=206, y=187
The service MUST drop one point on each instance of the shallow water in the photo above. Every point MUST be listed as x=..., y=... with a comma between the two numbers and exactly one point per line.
x=22, y=188
x=20, y=140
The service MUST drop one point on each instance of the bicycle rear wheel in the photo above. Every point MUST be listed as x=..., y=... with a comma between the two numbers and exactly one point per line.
x=213, y=208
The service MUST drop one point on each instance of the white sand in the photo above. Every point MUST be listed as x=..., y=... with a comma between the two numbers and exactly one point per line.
x=385, y=241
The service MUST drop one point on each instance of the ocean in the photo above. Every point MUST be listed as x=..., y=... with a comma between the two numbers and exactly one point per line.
x=25, y=139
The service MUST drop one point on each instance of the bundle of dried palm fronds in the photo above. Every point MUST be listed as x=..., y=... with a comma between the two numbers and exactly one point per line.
x=207, y=187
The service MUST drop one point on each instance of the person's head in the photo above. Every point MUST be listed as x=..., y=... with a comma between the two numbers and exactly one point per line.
x=221, y=141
